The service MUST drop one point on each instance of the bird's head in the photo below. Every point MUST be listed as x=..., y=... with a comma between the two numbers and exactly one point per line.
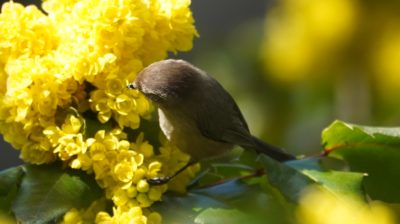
x=167, y=82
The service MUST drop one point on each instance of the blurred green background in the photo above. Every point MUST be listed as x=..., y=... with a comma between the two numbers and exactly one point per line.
x=295, y=66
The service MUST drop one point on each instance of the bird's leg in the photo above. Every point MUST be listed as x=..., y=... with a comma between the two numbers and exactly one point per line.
x=164, y=180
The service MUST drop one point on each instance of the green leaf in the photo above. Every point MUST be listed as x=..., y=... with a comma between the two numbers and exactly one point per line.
x=339, y=183
x=236, y=163
x=252, y=198
x=234, y=193
x=48, y=191
x=219, y=215
x=230, y=195
x=318, y=163
x=249, y=196
x=9, y=182
x=291, y=182
x=183, y=209
x=340, y=134
x=371, y=150
x=222, y=171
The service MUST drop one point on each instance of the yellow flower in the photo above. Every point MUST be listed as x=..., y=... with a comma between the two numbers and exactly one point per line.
x=134, y=214
x=74, y=215
x=121, y=171
x=155, y=193
x=139, y=175
x=172, y=159
x=301, y=36
x=131, y=215
x=385, y=57
x=82, y=161
x=132, y=192
x=154, y=169
x=144, y=200
x=318, y=206
x=37, y=154
x=124, y=171
x=6, y=219
x=143, y=147
x=25, y=31
x=62, y=69
x=120, y=197
x=70, y=145
x=104, y=218
x=142, y=186
x=154, y=218
x=72, y=125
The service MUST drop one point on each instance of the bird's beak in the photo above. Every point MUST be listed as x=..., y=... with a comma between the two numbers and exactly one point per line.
x=132, y=85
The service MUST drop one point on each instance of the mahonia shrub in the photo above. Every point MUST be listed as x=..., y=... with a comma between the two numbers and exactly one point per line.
x=64, y=70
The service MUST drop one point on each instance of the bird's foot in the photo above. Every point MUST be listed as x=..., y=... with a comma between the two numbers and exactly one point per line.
x=158, y=180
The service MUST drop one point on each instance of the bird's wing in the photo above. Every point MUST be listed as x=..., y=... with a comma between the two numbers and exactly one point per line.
x=224, y=122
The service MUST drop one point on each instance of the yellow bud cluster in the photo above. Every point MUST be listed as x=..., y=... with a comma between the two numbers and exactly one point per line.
x=173, y=159
x=133, y=215
x=74, y=216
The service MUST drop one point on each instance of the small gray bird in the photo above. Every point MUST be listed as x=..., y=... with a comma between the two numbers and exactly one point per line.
x=196, y=113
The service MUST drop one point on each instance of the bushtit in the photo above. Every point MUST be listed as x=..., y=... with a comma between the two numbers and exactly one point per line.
x=196, y=113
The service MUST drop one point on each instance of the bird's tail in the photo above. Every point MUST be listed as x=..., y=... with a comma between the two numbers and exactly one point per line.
x=271, y=151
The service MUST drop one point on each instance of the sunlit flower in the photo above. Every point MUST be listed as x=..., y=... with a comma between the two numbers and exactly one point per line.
x=64, y=72
x=74, y=216
x=319, y=206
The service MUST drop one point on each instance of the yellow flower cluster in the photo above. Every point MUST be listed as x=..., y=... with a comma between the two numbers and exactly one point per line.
x=63, y=92
x=84, y=215
x=319, y=206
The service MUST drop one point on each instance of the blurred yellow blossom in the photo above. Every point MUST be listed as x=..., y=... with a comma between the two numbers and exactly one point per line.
x=314, y=38
x=301, y=34
x=319, y=206
x=82, y=216
x=63, y=93
x=7, y=219
x=386, y=57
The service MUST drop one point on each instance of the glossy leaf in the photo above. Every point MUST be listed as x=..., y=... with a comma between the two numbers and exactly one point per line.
x=219, y=215
x=339, y=183
x=9, y=182
x=224, y=197
x=184, y=208
x=48, y=191
x=371, y=150
x=340, y=134
x=291, y=182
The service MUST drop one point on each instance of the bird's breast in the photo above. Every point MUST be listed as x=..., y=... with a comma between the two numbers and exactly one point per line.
x=182, y=131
